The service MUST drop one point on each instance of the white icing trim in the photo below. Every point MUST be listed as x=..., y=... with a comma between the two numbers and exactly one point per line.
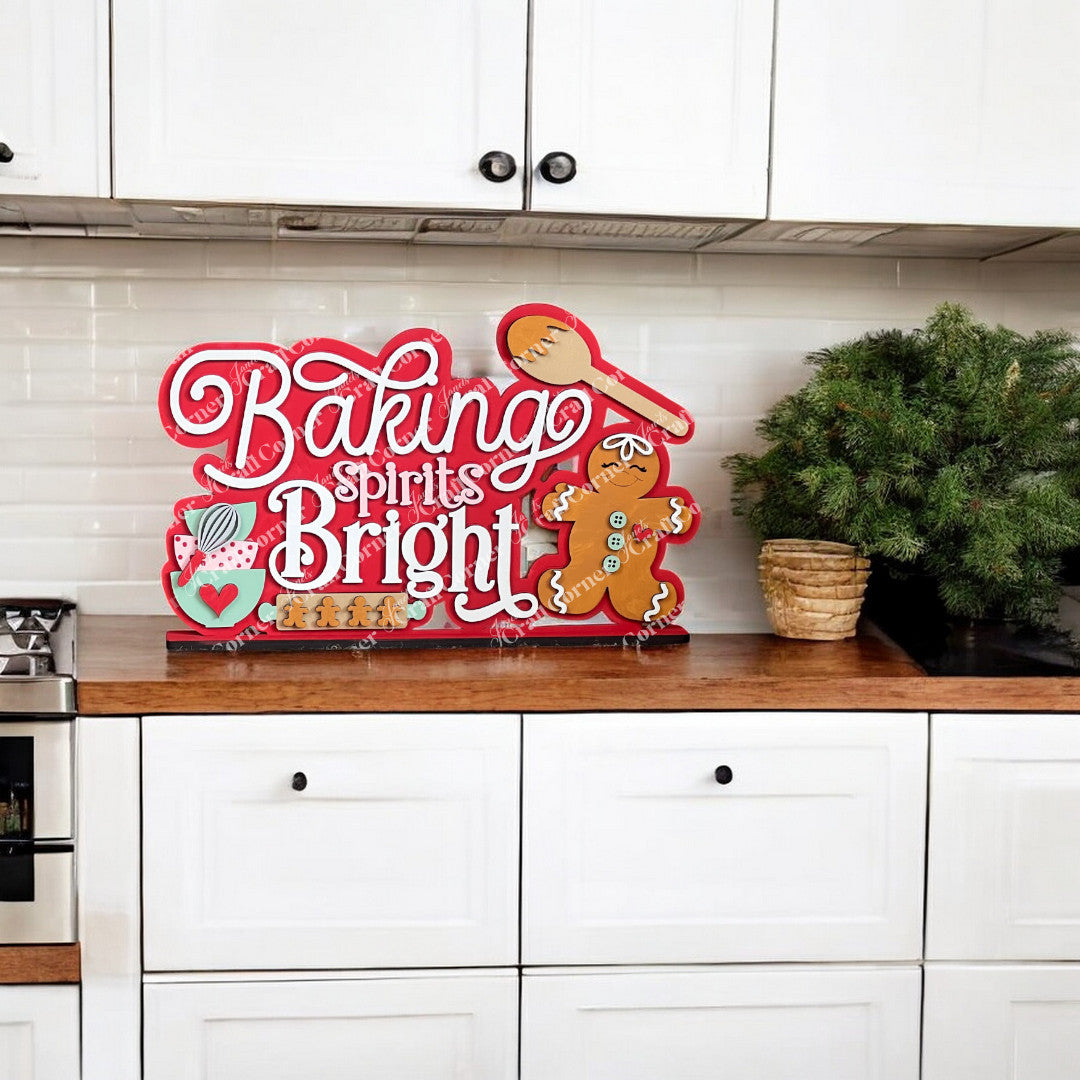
x=558, y=592
x=628, y=445
x=676, y=514
x=656, y=601
x=562, y=504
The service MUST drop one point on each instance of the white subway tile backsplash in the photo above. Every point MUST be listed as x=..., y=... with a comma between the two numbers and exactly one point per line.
x=79, y=558
x=943, y=275
x=132, y=325
x=26, y=293
x=305, y=261
x=88, y=326
x=435, y=296
x=44, y=323
x=78, y=259
x=245, y=259
x=74, y=522
x=797, y=271
x=651, y=268
x=127, y=485
x=236, y=295
x=590, y=301
x=492, y=264
x=82, y=386
x=110, y=293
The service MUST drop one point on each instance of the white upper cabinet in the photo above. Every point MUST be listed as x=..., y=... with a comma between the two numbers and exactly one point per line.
x=664, y=108
x=54, y=97
x=1004, y=870
x=713, y=838
x=943, y=111
x=329, y=842
x=329, y=101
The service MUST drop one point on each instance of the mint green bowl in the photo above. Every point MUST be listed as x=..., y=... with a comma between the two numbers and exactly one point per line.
x=249, y=585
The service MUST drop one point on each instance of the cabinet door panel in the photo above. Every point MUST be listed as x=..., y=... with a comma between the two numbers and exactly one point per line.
x=768, y=1024
x=962, y=111
x=1001, y=1023
x=54, y=97
x=1004, y=835
x=439, y=1028
x=634, y=853
x=400, y=851
x=39, y=1032
x=329, y=102
x=665, y=107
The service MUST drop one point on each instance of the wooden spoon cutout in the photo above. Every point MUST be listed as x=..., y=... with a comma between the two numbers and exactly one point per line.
x=552, y=352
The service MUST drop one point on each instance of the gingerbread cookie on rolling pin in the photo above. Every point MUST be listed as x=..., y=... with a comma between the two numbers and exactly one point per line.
x=617, y=534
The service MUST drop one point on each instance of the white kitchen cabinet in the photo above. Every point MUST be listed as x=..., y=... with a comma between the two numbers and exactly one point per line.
x=665, y=110
x=663, y=107
x=39, y=1032
x=54, y=97
x=763, y=1023
x=326, y=102
x=635, y=853
x=1004, y=874
x=943, y=111
x=439, y=1027
x=1001, y=1022
x=276, y=842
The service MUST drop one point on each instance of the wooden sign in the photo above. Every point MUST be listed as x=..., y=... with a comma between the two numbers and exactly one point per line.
x=353, y=499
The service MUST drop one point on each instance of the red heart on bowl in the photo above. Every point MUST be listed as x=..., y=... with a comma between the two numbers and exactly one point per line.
x=217, y=600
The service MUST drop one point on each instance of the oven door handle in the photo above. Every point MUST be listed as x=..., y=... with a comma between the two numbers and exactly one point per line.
x=21, y=848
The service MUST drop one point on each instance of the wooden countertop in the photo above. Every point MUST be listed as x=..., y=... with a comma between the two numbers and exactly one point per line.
x=39, y=964
x=124, y=669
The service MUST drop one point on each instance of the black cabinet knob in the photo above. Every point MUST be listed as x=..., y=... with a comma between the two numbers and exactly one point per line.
x=6, y=153
x=723, y=774
x=558, y=167
x=299, y=781
x=497, y=166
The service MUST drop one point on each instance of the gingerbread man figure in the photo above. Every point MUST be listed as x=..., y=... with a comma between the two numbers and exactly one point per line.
x=617, y=534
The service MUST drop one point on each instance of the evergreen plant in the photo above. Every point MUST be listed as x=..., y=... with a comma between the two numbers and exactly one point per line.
x=952, y=451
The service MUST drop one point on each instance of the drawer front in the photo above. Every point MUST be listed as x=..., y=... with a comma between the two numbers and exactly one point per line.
x=401, y=849
x=37, y=895
x=635, y=853
x=444, y=1027
x=39, y=1032
x=1002, y=1022
x=761, y=1023
x=1004, y=878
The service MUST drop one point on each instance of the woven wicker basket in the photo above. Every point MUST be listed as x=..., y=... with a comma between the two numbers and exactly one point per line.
x=813, y=588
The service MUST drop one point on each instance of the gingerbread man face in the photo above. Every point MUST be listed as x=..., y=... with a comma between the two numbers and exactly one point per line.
x=628, y=462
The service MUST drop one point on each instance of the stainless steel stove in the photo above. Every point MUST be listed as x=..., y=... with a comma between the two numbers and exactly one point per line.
x=37, y=657
x=37, y=764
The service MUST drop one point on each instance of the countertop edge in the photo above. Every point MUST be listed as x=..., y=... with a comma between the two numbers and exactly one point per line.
x=125, y=670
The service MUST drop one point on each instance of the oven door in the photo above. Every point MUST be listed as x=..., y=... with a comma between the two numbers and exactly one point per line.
x=37, y=893
x=35, y=780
